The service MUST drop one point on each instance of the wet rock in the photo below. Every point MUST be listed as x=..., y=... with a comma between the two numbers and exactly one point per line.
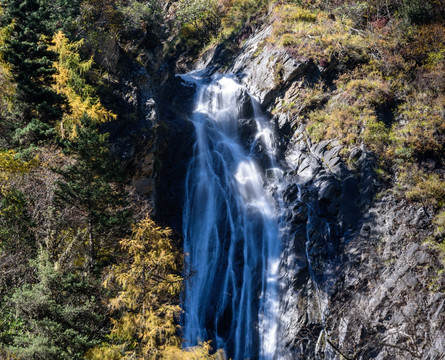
x=176, y=141
x=349, y=209
x=291, y=193
x=144, y=186
x=421, y=220
x=332, y=153
x=245, y=106
x=355, y=154
x=329, y=196
x=319, y=148
x=247, y=129
x=283, y=123
x=265, y=70
x=299, y=213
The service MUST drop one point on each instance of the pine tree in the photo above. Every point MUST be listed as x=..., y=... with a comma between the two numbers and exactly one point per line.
x=57, y=317
x=150, y=282
x=70, y=82
x=17, y=240
x=94, y=186
x=7, y=92
x=26, y=51
x=62, y=15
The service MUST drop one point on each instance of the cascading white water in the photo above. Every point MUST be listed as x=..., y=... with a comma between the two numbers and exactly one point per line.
x=231, y=231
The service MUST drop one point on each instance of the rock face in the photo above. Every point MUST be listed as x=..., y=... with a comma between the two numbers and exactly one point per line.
x=264, y=70
x=357, y=279
x=133, y=82
x=357, y=282
x=176, y=139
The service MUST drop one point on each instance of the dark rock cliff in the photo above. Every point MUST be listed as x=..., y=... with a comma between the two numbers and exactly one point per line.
x=134, y=76
x=152, y=135
x=358, y=281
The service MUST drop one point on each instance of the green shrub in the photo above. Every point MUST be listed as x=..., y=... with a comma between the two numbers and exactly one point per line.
x=421, y=128
x=139, y=14
x=56, y=318
x=351, y=112
x=349, y=124
x=201, y=18
x=416, y=11
x=428, y=189
x=439, y=222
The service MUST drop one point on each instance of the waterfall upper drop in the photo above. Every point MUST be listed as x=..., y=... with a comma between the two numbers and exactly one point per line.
x=231, y=228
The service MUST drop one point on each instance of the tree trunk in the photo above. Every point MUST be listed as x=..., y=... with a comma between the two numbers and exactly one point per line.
x=91, y=253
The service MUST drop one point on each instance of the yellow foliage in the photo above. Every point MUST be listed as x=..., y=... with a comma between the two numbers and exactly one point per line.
x=428, y=189
x=427, y=40
x=292, y=13
x=439, y=222
x=343, y=122
x=105, y=352
x=149, y=284
x=201, y=352
x=368, y=90
x=350, y=114
x=7, y=85
x=11, y=165
x=422, y=129
x=70, y=82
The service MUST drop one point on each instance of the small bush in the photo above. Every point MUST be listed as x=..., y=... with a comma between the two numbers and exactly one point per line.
x=349, y=124
x=292, y=13
x=424, y=43
x=202, y=18
x=139, y=15
x=428, y=189
x=439, y=222
x=369, y=90
x=416, y=11
x=421, y=127
x=351, y=113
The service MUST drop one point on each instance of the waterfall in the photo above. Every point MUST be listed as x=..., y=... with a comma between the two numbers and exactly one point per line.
x=232, y=234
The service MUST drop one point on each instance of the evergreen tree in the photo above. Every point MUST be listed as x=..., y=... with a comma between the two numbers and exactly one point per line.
x=94, y=186
x=62, y=15
x=56, y=318
x=15, y=222
x=30, y=60
x=70, y=81
x=7, y=91
x=17, y=241
x=147, y=284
